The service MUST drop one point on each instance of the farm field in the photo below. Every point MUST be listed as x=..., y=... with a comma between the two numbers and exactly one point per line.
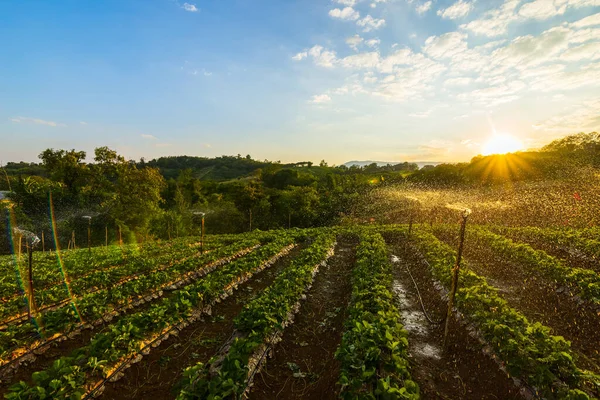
x=345, y=312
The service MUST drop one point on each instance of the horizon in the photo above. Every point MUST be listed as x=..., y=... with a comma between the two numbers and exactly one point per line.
x=339, y=80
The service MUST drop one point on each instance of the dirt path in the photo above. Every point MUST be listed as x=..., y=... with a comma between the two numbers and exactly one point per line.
x=156, y=375
x=303, y=364
x=540, y=300
x=461, y=372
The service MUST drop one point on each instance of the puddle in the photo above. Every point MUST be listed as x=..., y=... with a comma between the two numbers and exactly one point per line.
x=414, y=321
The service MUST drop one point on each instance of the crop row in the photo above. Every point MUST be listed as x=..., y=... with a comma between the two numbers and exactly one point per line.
x=258, y=326
x=568, y=238
x=374, y=348
x=95, y=307
x=527, y=350
x=586, y=282
x=97, y=280
x=124, y=341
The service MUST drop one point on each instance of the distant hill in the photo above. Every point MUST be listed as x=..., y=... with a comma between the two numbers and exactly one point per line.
x=382, y=163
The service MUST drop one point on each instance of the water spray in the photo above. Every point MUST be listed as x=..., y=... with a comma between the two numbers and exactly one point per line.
x=455, y=271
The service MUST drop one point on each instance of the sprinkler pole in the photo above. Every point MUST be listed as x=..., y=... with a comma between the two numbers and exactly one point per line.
x=90, y=236
x=105, y=235
x=31, y=303
x=43, y=243
x=455, y=272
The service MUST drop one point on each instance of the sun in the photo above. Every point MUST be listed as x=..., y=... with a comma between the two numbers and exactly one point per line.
x=501, y=144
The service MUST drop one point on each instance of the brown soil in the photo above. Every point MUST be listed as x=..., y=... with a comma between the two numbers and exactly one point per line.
x=463, y=371
x=157, y=373
x=540, y=300
x=308, y=346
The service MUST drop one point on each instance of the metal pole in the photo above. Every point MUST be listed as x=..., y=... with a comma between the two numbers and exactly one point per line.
x=455, y=272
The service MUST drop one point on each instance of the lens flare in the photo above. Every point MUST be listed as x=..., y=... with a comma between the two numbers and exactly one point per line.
x=59, y=260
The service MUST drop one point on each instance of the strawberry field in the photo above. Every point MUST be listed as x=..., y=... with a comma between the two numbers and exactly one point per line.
x=346, y=312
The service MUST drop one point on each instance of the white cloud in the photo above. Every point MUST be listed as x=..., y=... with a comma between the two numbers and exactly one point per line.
x=446, y=45
x=348, y=13
x=542, y=9
x=494, y=22
x=148, y=137
x=422, y=114
x=349, y=3
x=369, y=23
x=362, y=60
x=320, y=98
x=528, y=51
x=423, y=8
x=460, y=9
x=189, y=7
x=300, y=56
x=373, y=42
x=83, y=123
x=37, y=121
x=322, y=57
x=589, y=51
x=592, y=20
x=583, y=115
x=457, y=82
x=354, y=42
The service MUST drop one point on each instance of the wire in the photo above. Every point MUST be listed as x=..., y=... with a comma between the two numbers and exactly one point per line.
x=421, y=300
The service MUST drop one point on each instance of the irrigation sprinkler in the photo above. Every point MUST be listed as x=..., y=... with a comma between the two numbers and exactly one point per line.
x=89, y=220
x=31, y=241
x=201, y=230
x=455, y=272
x=414, y=203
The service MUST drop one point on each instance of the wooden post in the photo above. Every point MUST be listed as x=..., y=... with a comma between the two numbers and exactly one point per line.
x=20, y=246
x=455, y=272
x=43, y=244
x=31, y=303
x=202, y=237
x=73, y=239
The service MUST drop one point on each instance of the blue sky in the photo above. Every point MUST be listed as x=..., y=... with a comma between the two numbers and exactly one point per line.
x=295, y=80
